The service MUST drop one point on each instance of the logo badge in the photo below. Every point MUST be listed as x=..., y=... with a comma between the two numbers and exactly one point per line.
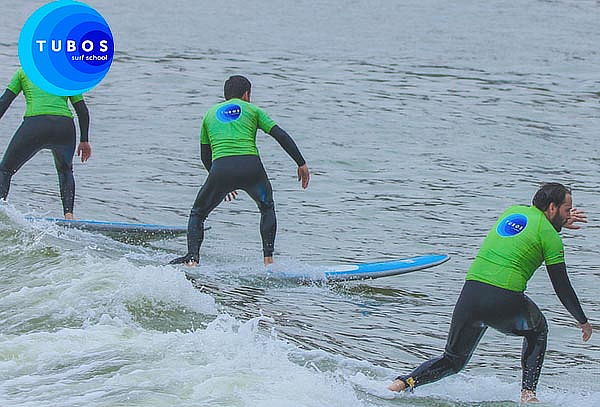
x=66, y=47
x=229, y=113
x=512, y=225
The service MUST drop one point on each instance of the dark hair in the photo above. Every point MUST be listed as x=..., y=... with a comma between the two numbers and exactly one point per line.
x=552, y=192
x=236, y=86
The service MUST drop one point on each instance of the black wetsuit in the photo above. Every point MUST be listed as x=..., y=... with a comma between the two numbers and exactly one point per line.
x=480, y=306
x=230, y=173
x=56, y=133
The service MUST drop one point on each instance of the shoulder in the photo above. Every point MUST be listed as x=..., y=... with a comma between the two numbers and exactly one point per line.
x=19, y=74
x=514, y=210
x=530, y=212
x=539, y=222
x=546, y=232
x=211, y=112
x=212, y=109
x=16, y=81
x=249, y=107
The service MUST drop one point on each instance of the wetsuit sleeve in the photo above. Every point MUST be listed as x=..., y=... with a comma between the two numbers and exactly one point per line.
x=5, y=100
x=286, y=142
x=205, y=149
x=206, y=155
x=565, y=292
x=83, y=116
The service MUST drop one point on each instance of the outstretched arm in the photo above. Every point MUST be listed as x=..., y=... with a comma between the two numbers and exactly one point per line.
x=286, y=142
x=567, y=296
x=83, y=116
x=5, y=100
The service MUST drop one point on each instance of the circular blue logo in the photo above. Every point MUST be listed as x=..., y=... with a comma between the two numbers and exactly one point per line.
x=66, y=47
x=512, y=225
x=229, y=113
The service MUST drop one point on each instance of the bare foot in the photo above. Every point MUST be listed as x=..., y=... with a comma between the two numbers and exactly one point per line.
x=397, y=385
x=268, y=260
x=69, y=216
x=528, y=396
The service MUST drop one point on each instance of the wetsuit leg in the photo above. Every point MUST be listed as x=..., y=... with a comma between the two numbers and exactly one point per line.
x=35, y=134
x=26, y=142
x=261, y=191
x=523, y=318
x=481, y=305
x=465, y=333
x=211, y=194
x=63, y=149
x=227, y=174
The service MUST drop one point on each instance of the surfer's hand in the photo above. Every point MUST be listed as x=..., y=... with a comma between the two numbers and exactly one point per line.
x=231, y=196
x=586, y=330
x=304, y=176
x=84, y=150
x=576, y=215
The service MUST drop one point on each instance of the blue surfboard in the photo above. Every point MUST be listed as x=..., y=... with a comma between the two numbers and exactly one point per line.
x=118, y=228
x=363, y=271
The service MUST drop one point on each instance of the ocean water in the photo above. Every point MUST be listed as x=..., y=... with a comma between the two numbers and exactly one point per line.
x=421, y=121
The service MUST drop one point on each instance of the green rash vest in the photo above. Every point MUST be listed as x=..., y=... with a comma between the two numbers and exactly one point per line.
x=230, y=128
x=38, y=101
x=520, y=241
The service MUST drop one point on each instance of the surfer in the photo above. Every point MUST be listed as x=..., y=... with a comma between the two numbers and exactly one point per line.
x=228, y=152
x=47, y=124
x=493, y=294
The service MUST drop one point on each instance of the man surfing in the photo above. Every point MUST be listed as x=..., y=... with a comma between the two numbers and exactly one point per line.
x=493, y=294
x=228, y=151
x=48, y=123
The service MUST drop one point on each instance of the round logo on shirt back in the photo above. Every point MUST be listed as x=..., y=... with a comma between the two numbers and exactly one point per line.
x=512, y=225
x=229, y=113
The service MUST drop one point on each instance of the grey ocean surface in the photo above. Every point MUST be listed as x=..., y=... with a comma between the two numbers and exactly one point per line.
x=421, y=121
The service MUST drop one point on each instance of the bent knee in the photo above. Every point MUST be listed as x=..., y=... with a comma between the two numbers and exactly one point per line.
x=199, y=214
x=542, y=330
x=65, y=168
x=541, y=327
x=6, y=173
x=266, y=205
x=7, y=170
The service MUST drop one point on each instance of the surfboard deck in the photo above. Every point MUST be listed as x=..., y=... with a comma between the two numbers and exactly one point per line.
x=365, y=271
x=118, y=228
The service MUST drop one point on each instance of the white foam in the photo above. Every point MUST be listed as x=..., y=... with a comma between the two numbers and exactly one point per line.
x=465, y=388
x=77, y=329
x=228, y=363
x=85, y=288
